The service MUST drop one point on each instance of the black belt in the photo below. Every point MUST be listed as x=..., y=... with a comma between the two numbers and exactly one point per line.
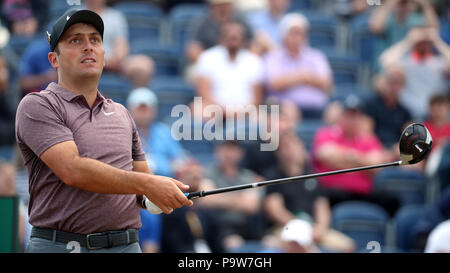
x=91, y=241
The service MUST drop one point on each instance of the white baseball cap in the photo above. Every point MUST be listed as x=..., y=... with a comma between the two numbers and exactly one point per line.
x=140, y=96
x=299, y=231
x=439, y=239
x=291, y=20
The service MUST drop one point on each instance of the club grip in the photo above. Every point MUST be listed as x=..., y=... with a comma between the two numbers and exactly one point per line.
x=154, y=209
x=193, y=195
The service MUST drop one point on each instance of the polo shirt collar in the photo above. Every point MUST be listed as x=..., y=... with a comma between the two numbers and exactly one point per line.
x=69, y=95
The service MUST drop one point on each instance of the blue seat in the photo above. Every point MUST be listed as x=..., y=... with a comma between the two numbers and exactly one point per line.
x=171, y=91
x=344, y=65
x=362, y=221
x=165, y=56
x=299, y=5
x=144, y=19
x=181, y=20
x=115, y=87
x=407, y=185
x=307, y=130
x=322, y=28
x=405, y=219
x=18, y=44
x=362, y=39
x=58, y=7
x=341, y=91
x=6, y=153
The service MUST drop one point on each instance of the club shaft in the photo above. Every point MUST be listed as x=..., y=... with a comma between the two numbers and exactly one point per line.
x=287, y=180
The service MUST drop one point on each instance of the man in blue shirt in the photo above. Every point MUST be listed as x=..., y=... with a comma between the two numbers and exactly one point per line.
x=163, y=152
x=35, y=70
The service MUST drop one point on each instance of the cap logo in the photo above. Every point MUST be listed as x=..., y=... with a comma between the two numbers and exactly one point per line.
x=48, y=36
x=68, y=17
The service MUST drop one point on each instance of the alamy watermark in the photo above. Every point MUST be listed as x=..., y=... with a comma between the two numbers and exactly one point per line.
x=227, y=124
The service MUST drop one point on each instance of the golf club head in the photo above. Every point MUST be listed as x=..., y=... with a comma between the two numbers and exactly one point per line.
x=415, y=144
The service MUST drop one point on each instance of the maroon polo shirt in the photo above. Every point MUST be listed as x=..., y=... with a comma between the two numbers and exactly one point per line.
x=106, y=133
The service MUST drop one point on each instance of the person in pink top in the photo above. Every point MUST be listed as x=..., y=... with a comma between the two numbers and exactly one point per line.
x=346, y=145
x=438, y=122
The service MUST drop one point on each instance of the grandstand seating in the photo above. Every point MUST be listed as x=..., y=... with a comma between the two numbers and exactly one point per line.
x=404, y=222
x=115, y=87
x=362, y=221
x=144, y=19
x=165, y=56
x=181, y=20
x=407, y=185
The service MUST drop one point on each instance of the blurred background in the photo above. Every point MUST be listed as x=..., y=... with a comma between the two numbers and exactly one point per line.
x=348, y=76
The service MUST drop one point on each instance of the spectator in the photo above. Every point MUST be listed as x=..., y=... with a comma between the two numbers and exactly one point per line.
x=258, y=161
x=228, y=75
x=348, y=145
x=384, y=108
x=298, y=72
x=150, y=232
x=445, y=23
x=303, y=200
x=7, y=113
x=238, y=213
x=395, y=18
x=438, y=123
x=7, y=188
x=435, y=213
x=35, y=69
x=163, y=152
x=138, y=69
x=19, y=17
x=192, y=229
x=425, y=71
x=265, y=26
x=206, y=33
x=439, y=240
x=297, y=237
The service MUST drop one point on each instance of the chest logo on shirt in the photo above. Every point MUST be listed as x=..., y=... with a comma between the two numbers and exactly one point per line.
x=108, y=113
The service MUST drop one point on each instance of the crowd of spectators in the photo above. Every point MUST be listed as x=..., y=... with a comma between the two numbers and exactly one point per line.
x=263, y=53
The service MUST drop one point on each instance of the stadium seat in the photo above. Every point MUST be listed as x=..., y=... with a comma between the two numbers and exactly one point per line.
x=362, y=221
x=6, y=153
x=18, y=44
x=299, y=5
x=404, y=221
x=171, y=91
x=181, y=20
x=115, y=87
x=144, y=19
x=341, y=91
x=58, y=7
x=322, y=29
x=165, y=56
x=362, y=39
x=407, y=185
x=344, y=66
x=307, y=130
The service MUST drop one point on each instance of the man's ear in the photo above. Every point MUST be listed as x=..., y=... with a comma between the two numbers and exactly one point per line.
x=52, y=58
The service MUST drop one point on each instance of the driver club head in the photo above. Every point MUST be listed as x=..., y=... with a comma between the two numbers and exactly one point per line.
x=415, y=144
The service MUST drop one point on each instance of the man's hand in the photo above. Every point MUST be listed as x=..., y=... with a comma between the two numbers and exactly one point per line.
x=166, y=193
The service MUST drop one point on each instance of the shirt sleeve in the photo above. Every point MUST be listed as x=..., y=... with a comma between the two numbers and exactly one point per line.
x=40, y=125
x=137, y=153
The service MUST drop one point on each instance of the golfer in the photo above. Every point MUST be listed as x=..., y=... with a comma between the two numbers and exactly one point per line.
x=87, y=171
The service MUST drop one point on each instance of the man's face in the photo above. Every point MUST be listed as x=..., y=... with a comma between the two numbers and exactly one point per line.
x=229, y=153
x=295, y=37
x=233, y=36
x=279, y=5
x=143, y=115
x=351, y=121
x=81, y=52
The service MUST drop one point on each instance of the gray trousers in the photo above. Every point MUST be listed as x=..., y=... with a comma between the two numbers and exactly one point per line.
x=38, y=245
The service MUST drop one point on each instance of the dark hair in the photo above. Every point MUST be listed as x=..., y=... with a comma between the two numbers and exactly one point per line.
x=439, y=98
x=57, y=50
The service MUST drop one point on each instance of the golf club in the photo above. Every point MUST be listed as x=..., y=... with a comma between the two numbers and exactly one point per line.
x=415, y=144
